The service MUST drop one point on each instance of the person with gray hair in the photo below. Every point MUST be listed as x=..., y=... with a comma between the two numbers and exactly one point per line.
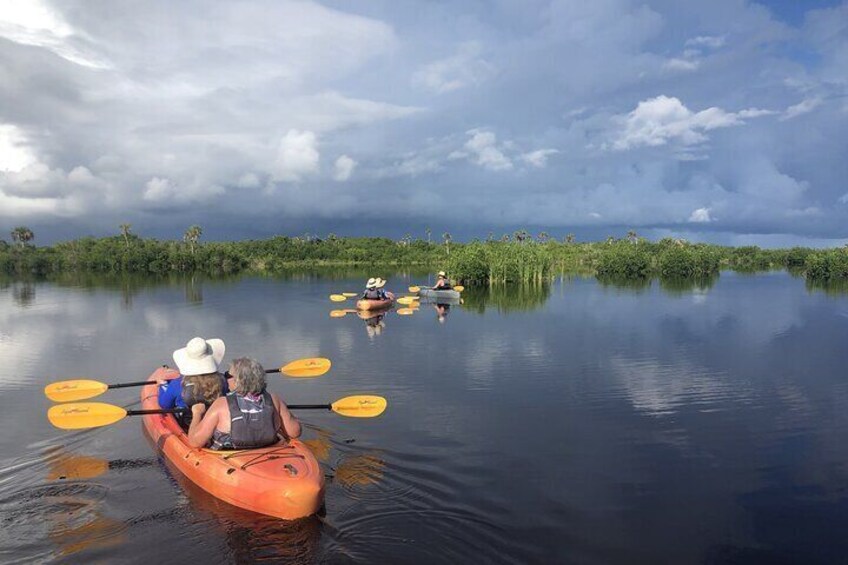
x=248, y=417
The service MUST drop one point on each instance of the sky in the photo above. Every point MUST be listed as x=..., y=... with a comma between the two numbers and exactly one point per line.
x=721, y=121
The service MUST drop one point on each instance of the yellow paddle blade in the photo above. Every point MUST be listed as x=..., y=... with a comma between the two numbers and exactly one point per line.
x=337, y=313
x=349, y=294
x=337, y=297
x=360, y=406
x=77, y=467
x=71, y=391
x=406, y=299
x=84, y=415
x=415, y=289
x=311, y=367
x=405, y=311
x=459, y=288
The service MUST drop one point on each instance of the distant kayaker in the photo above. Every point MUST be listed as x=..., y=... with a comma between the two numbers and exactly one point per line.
x=442, y=283
x=199, y=379
x=248, y=417
x=383, y=293
x=371, y=291
x=374, y=290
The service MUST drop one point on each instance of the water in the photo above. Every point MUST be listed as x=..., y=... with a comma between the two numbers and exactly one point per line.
x=580, y=423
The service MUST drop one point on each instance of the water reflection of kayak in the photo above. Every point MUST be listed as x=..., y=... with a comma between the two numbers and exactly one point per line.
x=282, y=480
x=439, y=294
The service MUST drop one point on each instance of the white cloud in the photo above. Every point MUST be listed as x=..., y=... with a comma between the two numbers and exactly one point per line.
x=805, y=106
x=661, y=120
x=297, y=156
x=482, y=150
x=15, y=153
x=34, y=23
x=159, y=190
x=464, y=69
x=538, y=158
x=712, y=42
x=343, y=168
x=844, y=198
x=700, y=216
x=678, y=64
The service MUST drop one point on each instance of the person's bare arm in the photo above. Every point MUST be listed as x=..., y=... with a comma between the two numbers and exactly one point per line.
x=289, y=425
x=204, y=422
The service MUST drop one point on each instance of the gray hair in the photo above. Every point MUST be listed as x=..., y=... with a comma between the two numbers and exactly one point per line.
x=249, y=375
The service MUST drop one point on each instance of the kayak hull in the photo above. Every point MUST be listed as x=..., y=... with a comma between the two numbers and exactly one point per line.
x=282, y=480
x=374, y=304
x=438, y=294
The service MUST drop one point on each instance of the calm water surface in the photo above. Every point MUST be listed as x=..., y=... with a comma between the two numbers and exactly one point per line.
x=578, y=424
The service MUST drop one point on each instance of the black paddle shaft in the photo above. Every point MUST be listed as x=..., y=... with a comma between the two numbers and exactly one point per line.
x=181, y=410
x=144, y=383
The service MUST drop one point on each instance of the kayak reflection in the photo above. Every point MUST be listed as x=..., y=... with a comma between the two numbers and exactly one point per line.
x=442, y=309
x=374, y=323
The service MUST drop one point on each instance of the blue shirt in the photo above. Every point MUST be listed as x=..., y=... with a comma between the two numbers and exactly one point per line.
x=171, y=393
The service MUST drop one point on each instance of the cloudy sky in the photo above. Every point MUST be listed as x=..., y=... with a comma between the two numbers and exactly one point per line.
x=719, y=121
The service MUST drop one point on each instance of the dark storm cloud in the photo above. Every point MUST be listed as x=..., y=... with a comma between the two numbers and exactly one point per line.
x=712, y=120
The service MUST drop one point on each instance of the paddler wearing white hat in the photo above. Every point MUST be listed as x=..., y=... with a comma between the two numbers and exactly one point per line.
x=199, y=380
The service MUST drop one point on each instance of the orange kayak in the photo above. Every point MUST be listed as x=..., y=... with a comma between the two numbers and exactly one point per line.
x=282, y=480
x=374, y=304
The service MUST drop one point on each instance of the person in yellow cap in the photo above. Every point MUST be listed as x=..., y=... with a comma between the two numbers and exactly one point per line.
x=442, y=283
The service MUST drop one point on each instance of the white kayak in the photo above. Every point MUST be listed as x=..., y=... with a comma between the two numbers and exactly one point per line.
x=438, y=294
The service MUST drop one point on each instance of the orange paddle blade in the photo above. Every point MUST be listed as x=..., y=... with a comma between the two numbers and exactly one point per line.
x=415, y=289
x=360, y=406
x=71, y=391
x=311, y=367
x=84, y=415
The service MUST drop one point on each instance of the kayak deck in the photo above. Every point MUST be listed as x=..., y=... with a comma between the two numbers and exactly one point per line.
x=439, y=294
x=282, y=480
x=365, y=304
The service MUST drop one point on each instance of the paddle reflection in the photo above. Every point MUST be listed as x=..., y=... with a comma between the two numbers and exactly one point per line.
x=359, y=470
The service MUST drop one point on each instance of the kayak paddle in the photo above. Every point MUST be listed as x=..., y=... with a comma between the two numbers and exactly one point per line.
x=338, y=297
x=83, y=415
x=80, y=389
x=406, y=300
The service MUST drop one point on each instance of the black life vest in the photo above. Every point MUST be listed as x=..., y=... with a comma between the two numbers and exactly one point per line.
x=372, y=294
x=252, y=424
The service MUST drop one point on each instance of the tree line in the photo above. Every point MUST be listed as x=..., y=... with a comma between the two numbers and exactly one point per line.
x=518, y=257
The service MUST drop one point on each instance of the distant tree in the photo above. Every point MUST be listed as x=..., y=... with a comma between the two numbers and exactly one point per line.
x=505, y=237
x=332, y=238
x=447, y=239
x=125, y=231
x=191, y=236
x=610, y=240
x=22, y=235
x=569, y=238
x=631, y=235
x=428, y=231
x=490, y=236
x=543, y=236
x=521, y=236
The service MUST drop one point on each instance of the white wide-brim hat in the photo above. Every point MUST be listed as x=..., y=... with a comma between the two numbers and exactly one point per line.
x=442, y=274
x=372, y=283
x=199, y=356
x=380, y=283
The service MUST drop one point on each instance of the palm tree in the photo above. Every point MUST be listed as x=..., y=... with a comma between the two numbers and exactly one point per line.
x=22, y=235
x=569, y=238
x=125, y=231
x=505, y=237
x=521, y=235
x=543, y=236
x=631, y=235
x=191, y=236
x=447, y=237
x=491, y=236
x=428, y=231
